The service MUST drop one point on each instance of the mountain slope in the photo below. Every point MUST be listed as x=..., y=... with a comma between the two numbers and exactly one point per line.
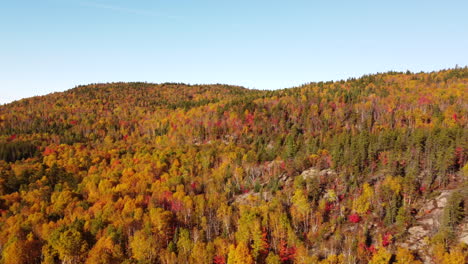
x=174, y=173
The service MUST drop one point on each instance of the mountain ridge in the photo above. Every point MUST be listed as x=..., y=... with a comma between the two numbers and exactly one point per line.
x=457, y=71
x=327, y=172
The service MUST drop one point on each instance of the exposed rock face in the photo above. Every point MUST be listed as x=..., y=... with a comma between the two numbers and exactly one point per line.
x=314, y=172
x=307, y=174
x=310, y=173
x=285, y=179
x=464, y=232
x=427, y=224
x=252, y=197
x=430, y=214
x=417, y=241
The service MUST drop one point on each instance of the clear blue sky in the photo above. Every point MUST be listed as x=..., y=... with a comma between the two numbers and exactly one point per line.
x=53, y=45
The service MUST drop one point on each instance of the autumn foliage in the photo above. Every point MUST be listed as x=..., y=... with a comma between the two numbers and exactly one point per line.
x=328, y=172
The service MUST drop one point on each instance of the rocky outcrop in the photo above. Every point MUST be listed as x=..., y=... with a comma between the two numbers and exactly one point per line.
x=464, y=232
x=252, y=197
x=428, y=221
x=314, y=172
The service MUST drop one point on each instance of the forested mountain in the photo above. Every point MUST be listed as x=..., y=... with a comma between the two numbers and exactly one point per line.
x=368, y=170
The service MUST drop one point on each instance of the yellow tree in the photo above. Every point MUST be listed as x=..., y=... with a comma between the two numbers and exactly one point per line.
x=105, y=251
x=161, y=221
x=144, y=246
x=333, y=259
x=404, y=256
x=69, y=243
x=382, y=256
x=456, y=255
x=272, y=258
x=362, y=204
x=201, y=253
x=239, y=254
x=301, y=207
x=19, y=250
x=14, y=253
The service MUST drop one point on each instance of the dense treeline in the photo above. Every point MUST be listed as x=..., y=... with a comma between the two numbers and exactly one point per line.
x=17, y=150
x=329, y=172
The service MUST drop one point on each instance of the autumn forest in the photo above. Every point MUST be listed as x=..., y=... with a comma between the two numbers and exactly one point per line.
x=365, y=170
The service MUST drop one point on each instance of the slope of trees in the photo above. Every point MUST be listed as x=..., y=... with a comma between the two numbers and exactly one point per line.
x=331, y=172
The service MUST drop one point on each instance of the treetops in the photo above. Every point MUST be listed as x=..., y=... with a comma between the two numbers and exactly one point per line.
x=175, y=173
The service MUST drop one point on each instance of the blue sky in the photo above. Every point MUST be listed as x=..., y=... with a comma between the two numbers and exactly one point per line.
x=53, y=45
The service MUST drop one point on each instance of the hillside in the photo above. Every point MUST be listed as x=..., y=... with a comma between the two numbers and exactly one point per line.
x=368, y=170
